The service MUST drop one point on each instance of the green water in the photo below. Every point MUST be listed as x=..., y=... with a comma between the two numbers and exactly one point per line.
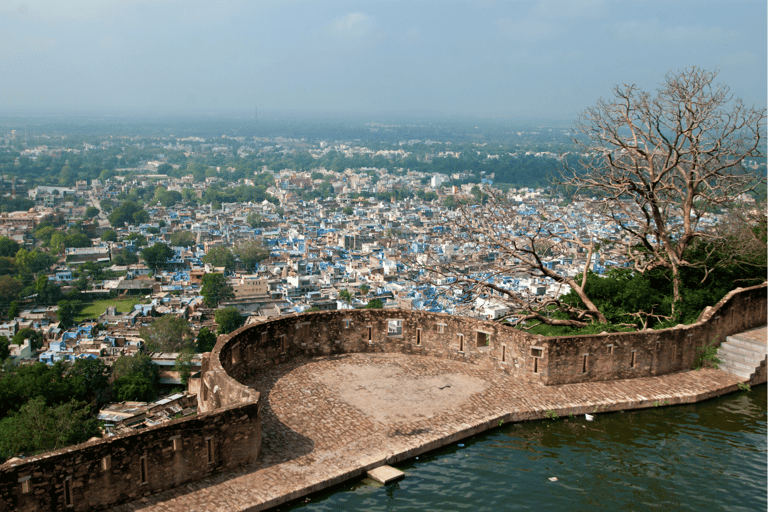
x=704, y=457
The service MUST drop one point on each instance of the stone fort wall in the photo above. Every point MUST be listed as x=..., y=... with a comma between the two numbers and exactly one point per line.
x=548, y=360
x=226, y=432
x=126, y=467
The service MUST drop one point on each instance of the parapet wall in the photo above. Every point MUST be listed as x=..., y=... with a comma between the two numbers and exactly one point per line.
x=226, y=433
x=126, y=467
x=647, y=353
x=551, y=361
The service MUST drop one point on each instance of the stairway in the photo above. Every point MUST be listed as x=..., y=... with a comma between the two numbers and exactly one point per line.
x=741, y=354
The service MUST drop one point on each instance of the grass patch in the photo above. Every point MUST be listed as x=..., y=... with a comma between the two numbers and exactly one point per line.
x=96, y=308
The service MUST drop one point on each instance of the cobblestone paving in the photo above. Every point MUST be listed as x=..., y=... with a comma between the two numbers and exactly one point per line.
x=313, y=437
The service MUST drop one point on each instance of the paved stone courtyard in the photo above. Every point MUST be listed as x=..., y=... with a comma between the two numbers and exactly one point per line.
x=328, y=419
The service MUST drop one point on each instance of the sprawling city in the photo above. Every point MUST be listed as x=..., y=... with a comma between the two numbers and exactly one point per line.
x=369, y=293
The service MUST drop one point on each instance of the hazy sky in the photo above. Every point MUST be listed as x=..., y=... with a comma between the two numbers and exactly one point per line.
x=548, y=58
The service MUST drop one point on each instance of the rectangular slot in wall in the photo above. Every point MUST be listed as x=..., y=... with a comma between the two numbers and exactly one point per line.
x=610, y=349
x=633, y=360
x=26, y=487
x=418, y=337
x=440, y=328
x=143, y=470
x=236, y=353
x=461, y=343
x=370, y=334
x=176, y=443
x=209, y=449
x=264, y=337
x=584, y=363
x=537, y=353
x=658, y=346
x=483, y=339
x=106, y=463
x=283, y=344
x=68, y=492
x=503, y=353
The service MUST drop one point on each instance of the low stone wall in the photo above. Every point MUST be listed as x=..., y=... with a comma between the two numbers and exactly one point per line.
x=551, y=361
x=647, y=353
x=323, y=333
x=126, y=467
x=227, y=434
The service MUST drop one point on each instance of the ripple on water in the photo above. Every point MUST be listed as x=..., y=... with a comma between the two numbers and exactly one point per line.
x=709, y=456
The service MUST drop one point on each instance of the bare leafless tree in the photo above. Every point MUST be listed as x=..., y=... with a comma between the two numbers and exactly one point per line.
x=657, y=166
x=485, y=243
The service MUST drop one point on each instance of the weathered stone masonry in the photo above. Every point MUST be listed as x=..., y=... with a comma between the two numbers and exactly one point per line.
x=226, y=433
x=99, y=474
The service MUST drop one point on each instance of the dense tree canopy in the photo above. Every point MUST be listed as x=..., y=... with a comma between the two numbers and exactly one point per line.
x=228, y=319
x=167, y=334
x=216, y=288
x=157, y=255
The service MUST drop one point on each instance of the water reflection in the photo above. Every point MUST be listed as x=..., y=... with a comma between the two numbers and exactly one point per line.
x=707, y=456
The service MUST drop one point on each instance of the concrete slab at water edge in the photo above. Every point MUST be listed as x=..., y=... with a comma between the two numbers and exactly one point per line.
x=317, y=433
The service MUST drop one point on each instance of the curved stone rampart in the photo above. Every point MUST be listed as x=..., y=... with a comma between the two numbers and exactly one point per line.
x=226, y=432
x=549, y=360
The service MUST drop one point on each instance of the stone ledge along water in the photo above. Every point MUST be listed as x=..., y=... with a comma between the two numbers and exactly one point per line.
x=317, y=432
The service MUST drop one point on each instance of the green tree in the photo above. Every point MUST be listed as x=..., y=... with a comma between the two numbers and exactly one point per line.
x=35, y=338
x=182, y=365
x=33, y=261
x=9, y=291
x=47, y=292
x=13, y=310
x=8, y=247
x=88, y=381
x=123, y=214
x=220, y=257
x=140, y=217
x=216, y=288
x=109, y=235
x=140, y=363
x=228, y=319
x=346, y=295
x=167, y=334
x=134, y=388
x=183, y=239
x=8, y=266
x=251, y=252
x=91, y=212
x=157, y=255
x=5, y=352
x=206, y=340
x=254, y=220
x=374, y=304
x=67, y=311
x=37, y=427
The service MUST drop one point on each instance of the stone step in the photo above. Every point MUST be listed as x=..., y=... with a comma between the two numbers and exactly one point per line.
x=741, y=349
x=740, y=365
x=736, y=354
x=743, y=374
x=748, y=343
